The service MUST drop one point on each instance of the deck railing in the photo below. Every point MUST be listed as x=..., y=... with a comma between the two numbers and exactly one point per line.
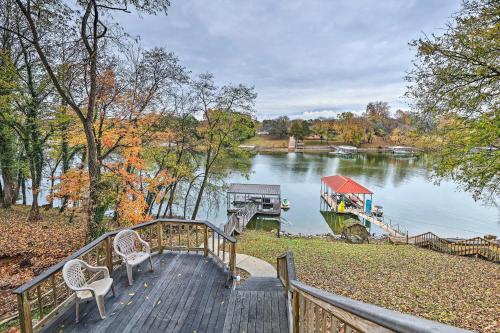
x=315, y=310
x=45, y=295
x=465, y=247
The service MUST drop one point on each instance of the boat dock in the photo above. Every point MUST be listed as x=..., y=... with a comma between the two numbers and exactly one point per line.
x=342, y=195
x=266, y=197
x=244, y=201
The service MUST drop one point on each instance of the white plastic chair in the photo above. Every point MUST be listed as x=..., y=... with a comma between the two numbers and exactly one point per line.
x=125, y=245
x=73, y=274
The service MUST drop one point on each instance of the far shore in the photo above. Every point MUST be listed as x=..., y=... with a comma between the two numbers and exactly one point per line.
x=315, y=148
x=268, y=143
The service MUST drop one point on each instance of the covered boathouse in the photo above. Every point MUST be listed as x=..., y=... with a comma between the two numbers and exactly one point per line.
x=266, y=196
x=343, y=194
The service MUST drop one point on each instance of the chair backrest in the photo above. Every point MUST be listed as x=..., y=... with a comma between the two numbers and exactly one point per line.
x=73, y=274
x=125, y=240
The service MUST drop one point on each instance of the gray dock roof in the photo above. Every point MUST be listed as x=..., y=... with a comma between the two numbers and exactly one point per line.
x=265, y=189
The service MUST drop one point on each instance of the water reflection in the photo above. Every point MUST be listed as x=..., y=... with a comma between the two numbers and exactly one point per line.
x=265, y=223
x=400, y=184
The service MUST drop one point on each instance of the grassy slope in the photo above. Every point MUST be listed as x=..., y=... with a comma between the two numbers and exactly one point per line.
x=454, y=290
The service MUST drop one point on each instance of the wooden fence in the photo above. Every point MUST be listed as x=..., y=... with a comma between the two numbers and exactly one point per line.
x=43, y=297
x=315, y=310
x=477, y=246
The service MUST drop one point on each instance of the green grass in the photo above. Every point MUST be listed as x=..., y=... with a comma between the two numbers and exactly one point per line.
x=268, y=141
x=454, y=290
x=317, y=143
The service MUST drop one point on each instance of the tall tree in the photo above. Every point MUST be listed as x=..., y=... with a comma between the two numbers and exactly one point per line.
x=300, y=129
x=225, y=123
x=455, y=82
x=280, y=126
x=8, y=140
x=86, y=26
x=378, y=115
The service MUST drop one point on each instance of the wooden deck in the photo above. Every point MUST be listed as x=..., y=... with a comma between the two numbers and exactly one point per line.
x=186, y=292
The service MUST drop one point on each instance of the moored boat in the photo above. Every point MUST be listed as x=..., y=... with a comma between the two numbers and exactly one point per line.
x=285, y=203
x=344, y=150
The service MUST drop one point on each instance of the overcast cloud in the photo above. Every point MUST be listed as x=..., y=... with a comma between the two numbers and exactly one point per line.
x=305, y=58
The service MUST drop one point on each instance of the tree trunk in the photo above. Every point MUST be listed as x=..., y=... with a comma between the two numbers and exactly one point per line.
x=191, y=183
x=65, y=156
x=171, y=199
x=15, y=191
x=23, y=189
x=200, y=195
x=50, y=204
x=35, y=210
x=8, y=157
x=7, y=190
x=35, y=190
x=158, y=212
x=95, y=211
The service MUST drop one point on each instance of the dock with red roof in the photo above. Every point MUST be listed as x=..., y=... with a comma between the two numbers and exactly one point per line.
x=346, y=196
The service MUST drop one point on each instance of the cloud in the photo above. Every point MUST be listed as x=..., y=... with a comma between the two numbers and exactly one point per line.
x=300, y=55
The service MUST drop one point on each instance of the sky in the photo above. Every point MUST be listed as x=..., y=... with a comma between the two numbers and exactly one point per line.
x=305, y=58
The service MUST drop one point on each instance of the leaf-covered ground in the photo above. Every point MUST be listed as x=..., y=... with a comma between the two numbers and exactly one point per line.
x=27, y=249
x=463, y=292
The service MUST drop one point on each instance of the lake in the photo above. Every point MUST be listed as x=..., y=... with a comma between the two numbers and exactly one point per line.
x=401, y=185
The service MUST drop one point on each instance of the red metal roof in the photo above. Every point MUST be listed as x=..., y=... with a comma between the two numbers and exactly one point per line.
x=343, y=185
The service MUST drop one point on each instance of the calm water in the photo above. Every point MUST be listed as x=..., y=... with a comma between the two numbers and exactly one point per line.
x=401, y=185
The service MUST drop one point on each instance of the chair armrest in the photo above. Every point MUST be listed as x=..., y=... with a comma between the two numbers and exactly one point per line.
x=146, y=246
x=83, y=289
x=121, y=254
x=97, y=269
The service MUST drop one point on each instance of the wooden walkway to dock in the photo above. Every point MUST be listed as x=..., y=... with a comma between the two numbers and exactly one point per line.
x=186, y=292
x=391, y=230
x=477, y=246
x=238, y=220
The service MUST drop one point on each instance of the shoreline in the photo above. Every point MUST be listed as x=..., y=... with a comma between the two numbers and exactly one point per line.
x=318, y=149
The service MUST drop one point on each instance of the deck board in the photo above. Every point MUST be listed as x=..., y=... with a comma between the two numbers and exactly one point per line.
x=186, y=292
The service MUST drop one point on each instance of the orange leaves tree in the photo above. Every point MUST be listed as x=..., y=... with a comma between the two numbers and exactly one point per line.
x=73, y=41
x=126, y=123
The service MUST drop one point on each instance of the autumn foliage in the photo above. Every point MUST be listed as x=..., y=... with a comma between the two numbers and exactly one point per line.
x=124, y=130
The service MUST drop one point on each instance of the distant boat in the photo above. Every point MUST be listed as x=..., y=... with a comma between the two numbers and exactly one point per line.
x=344, y=150
x=401, y=150
x=285, y=204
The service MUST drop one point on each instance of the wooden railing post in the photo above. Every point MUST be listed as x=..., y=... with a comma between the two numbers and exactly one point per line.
x=160, y=237
x=54, y=289
x=205, y=241
x=295, y=312
x=24, y=309
x=232, y=259
x=109, y=254
x=278, y=267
